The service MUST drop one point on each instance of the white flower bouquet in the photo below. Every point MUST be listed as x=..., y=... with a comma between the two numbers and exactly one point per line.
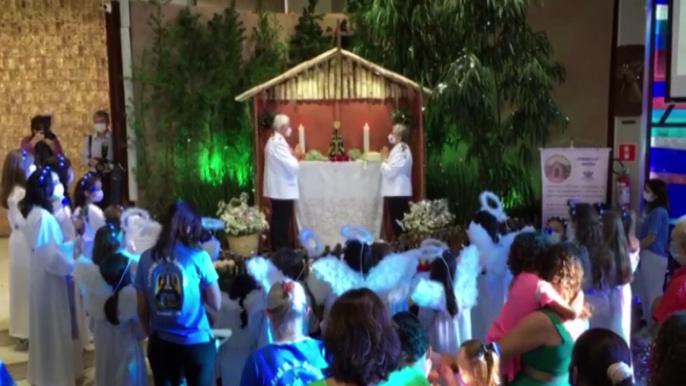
x=427, y=216
x=240, y=219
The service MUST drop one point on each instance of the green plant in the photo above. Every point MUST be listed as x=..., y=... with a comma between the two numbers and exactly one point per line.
x=193, y=141
x=270, y=53
x=493, y=79
x=309, y=40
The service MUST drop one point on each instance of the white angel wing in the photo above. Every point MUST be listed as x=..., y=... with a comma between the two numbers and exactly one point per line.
x=492, y=256
x=391, y=273
x=319, y=288
x=264, y=272
x=93, y=287
x=466, y=275
x=337, y=274
x=427, y=293
x=96, y=218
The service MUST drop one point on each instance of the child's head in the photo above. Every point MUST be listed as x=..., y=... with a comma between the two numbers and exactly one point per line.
x=358, y=255
x=88, y=190
x=588, y=229
x=16, y=170
x=601, y=358
x=561, y=266
x=62, y=167
x=116, y=271
x=526, y=252
x=414, y=341
x=108, y=240
x=442, y=270
x=677, y=248
x=558, y=229
x=478, y=364
x=291, y=263
x=668, y=358
x=113, y=214
x=287, y=307
x=40, y=191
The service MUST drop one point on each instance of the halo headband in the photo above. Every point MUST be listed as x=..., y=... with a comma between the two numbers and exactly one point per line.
x=430, y=249
x=129, y=215
x=359, y=233
x=491, y=203
x=311, y=243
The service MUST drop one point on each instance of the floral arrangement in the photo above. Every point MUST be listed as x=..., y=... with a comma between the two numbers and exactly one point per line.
x=228, y=269
x=239, y=218
x=427, y=216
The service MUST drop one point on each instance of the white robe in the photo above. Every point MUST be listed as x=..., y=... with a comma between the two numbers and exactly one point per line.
x=20, y=263
x=55, y=358
x=95, y=220
x=235, y=351
x=446, y=332
x=119, y=354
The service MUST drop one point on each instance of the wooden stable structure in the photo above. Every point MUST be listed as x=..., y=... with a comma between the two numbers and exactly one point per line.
x=339, y=86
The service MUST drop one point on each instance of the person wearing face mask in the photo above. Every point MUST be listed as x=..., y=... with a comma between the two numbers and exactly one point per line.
x=55, y=350
x=396, y=176
x=281, y=166
x=653, y=234
x=89, y=217
x=98, y=151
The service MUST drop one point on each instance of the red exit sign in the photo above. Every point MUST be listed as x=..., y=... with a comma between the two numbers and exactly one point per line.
x=627, y=152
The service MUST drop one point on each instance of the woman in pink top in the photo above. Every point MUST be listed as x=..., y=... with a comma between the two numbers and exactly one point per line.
x=528, y=293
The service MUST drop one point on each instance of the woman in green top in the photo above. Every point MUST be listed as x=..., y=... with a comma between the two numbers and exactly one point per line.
x=362, y=345
x=543, y=340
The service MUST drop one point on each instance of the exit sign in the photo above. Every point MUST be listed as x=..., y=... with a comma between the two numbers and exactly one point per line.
x=627, y=152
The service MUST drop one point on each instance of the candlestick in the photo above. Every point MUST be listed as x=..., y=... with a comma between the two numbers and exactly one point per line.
x=301, y=137
x=366, y=138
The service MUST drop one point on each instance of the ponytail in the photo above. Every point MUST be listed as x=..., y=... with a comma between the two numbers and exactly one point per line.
x=450, y=300
x=112, y=308
x=492, y=366
x=482, y=362
x=620, y=374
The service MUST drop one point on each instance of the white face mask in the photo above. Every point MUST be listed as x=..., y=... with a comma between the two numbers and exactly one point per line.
x=289, y=131
x=391, y=139
x=58, y=193
x=100, y=128
x=98, y=196
x=649, y=197
x=555, y=237
x=70, y=176
x=32, y=168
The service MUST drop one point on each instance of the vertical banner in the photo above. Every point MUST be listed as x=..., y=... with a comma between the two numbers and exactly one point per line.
x=572, y=173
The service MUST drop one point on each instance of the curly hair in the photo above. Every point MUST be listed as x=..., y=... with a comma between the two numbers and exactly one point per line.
x=413, y=337
x=589, y=235
x=668, y=359
x=361, y=343
x=562, y=267
x=526, y=252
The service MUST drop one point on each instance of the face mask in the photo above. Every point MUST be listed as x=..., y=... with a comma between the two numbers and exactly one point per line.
x=70, y=176
x=649, y=197
x=32, y=168
x=100, y=127
x=98, y=196
x=391, y=139
x=58, y=193
x=555, y=237
x=289, y=131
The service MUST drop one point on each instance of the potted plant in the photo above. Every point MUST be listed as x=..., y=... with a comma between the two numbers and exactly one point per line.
x=243, y=225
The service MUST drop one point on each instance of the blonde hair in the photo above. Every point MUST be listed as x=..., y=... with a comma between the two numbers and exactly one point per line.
x=481, y=365
x=679, y=233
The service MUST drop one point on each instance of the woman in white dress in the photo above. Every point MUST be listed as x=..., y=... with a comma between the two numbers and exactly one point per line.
x=445, y=296
x=55, y=351
x=118, y=336
x=16, y=170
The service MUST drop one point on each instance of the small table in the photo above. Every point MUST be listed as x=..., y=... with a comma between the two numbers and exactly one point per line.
x=336, y=194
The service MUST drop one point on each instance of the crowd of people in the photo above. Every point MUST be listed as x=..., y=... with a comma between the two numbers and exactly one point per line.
x=516, y=307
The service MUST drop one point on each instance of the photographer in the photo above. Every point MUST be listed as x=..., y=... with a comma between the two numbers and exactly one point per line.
x=98, y=152
x=41, y=133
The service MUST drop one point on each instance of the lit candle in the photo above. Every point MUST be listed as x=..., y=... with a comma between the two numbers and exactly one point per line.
x=301, y=137
x=366, y=137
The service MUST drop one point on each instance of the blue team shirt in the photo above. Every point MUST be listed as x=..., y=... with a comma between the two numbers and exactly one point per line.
x=294, y=364
x=174, y=293
x=657, y=223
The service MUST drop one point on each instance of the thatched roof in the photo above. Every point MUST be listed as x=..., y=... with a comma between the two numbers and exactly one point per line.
x=322, y=61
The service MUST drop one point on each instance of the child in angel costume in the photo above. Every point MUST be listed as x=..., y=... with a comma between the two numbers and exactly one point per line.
x=243, y=295
x=528, y=293
x=389, y=278
x=55, y=350
x=285, y=263
x=110, y=301
x=446, y=294
x=489, y=233
x=88, y=216
x=16, y=170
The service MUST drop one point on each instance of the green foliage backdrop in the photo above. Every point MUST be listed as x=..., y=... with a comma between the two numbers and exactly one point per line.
x=193, y=140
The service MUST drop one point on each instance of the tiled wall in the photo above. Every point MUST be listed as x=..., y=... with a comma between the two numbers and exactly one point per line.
x=668, y=145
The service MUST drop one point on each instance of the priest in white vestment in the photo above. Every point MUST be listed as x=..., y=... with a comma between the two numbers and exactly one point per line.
x=396, y=176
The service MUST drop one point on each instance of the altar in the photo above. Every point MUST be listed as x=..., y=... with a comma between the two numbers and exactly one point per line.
x=335, y=194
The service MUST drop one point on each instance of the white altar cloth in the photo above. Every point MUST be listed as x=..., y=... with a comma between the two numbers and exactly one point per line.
x=335, y=194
